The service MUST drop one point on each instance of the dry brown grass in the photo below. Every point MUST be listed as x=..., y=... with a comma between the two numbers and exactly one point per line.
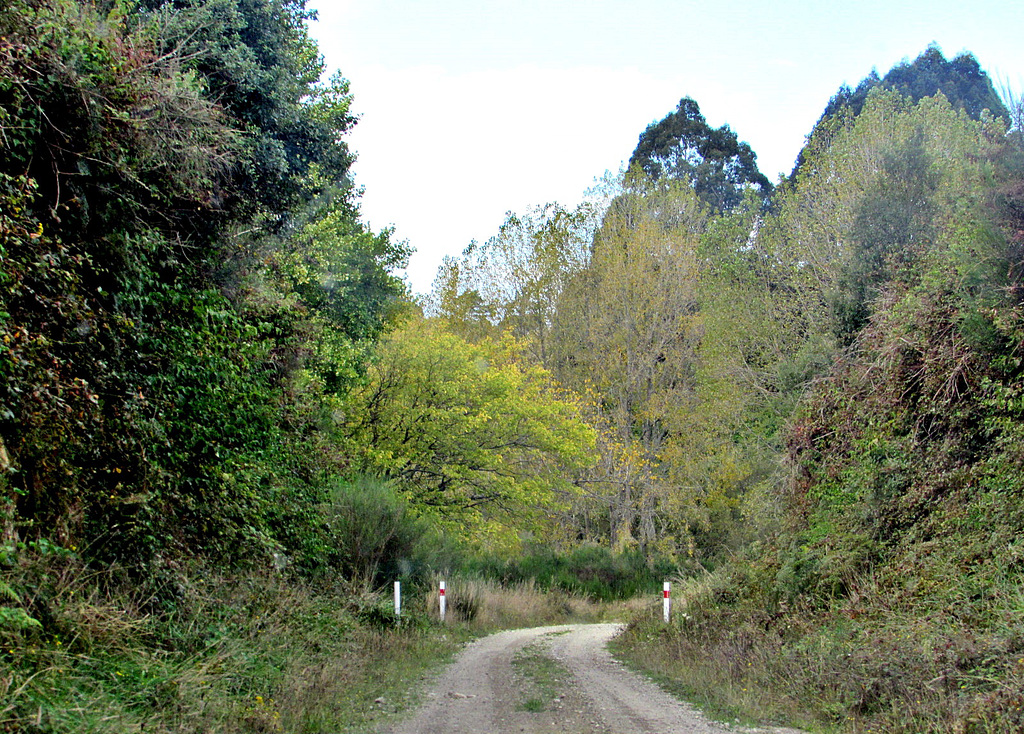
x=485, y=605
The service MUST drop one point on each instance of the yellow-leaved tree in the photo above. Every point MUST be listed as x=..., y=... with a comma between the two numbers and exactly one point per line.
x=473, y=436
x=625, y=332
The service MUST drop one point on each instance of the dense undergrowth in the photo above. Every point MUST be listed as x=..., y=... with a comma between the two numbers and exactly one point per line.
x=255, y=653
x=871, y=661
x=589, y=571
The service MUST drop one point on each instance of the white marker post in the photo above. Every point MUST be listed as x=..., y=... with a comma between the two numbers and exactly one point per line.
x=442, y=600
x=667, y=600
x=398, y=599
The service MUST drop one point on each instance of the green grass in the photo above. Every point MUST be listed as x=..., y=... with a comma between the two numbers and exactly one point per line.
x=542, y=677
x=901, y=652
x=701, y=681
x=235, y=654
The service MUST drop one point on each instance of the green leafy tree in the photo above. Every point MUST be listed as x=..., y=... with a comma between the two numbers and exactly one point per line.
x=625, y=333
x=257, y=60
x=178, y=242
x=514, y=280
x=712, y=160
x=962, y=81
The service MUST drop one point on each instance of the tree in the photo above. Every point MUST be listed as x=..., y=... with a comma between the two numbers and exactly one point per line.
x=514, y=280
x=473, y=435
x=683, y=146
x=257, y=60
x=459, y=305
x=961, y=81
x=892, y=230
x=864, y=203
x=179, y=242
x=625, y=332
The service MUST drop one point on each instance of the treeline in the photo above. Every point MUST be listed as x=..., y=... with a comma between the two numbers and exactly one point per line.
x=697, y=310
x=812, y=389
x=821, y=386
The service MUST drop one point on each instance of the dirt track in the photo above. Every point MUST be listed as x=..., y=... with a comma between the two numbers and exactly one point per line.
x=482, y=692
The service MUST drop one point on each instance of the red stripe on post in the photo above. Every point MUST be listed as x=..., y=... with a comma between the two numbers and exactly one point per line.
x=442, y=592
x=665, y=593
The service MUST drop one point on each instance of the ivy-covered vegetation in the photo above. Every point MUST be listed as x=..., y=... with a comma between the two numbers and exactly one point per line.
x=185, y=277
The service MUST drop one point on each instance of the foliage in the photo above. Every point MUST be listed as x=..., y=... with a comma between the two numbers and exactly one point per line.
x=374, y=536
x=470, y=433
x=513, y=281
x=626, y=332
x=185, y=276
x=256, y=59
x=886, y=594
x=204, y=357
x=591, y=571
x=684, y=147
x=962, y=81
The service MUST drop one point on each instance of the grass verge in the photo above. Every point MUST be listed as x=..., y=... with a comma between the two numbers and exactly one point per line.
x=259, y=653
x=201, y=651
x=865, y=663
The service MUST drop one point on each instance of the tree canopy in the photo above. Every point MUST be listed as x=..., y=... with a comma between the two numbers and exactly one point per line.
x=712, y=160
x=470, y=432
x=962, y=81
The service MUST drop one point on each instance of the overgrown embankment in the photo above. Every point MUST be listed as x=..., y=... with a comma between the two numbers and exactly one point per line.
x=889, y=595
x=254, y=653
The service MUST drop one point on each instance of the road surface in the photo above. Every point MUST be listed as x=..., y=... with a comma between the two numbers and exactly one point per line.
x=497, y=686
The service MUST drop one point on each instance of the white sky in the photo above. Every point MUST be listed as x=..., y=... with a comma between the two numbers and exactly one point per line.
x=472, y=108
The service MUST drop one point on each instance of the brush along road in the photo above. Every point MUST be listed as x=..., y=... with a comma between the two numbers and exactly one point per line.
x=551, y=679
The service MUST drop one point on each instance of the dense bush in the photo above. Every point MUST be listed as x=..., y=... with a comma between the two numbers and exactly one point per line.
x=887, y=597
x=185, y=280
x=370, y=535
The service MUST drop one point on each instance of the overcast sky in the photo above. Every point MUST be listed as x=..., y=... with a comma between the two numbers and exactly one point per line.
x=472, y=108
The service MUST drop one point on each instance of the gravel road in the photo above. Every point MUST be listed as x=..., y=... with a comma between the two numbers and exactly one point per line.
x=484, y=693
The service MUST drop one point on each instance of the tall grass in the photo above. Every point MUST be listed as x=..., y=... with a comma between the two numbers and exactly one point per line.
x=482, y=605
x=200, y=651
x=871, y=662
x=253, y=653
